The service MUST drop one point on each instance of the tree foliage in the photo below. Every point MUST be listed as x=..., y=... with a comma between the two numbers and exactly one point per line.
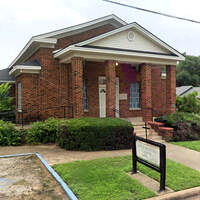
x=5, y=99
x=188, y=103
x=188, y=71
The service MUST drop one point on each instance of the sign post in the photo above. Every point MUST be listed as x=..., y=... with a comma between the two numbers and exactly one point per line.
x=151, y=154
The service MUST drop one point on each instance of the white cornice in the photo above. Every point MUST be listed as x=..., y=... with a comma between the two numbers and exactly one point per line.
x=7, y=81
x=121, y=56
x=20, y=69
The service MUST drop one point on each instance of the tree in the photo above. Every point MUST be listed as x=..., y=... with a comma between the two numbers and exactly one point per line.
x=5, y=100
x=188, y=71
x=188, y=103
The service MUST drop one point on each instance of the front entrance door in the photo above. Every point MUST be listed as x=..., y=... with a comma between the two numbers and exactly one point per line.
x=102, y=97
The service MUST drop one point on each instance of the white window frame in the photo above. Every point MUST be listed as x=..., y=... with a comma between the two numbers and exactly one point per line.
x=163, y=72
x=85, y=99
x=19, y=97
x=134, y=99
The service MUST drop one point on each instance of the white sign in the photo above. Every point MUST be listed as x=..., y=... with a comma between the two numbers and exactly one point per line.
x=122, y=96
x=148, y=152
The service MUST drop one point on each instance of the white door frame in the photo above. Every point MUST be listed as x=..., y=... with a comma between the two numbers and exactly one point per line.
x=117, y=98
x=102, y=96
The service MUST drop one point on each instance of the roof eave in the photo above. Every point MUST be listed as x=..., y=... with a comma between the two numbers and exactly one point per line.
x=38, y=42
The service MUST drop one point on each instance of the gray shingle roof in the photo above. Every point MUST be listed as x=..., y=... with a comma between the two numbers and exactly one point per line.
x=4, y=73
x=182, y=90
x=5, y=77
x=192, y=90
x=31, y=63
x=185, y=90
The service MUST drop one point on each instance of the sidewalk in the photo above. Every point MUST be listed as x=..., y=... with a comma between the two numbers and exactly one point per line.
x=183, y=155
x=54, y=154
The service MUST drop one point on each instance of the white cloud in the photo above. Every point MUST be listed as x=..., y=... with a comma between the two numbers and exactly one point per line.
x=21, y=19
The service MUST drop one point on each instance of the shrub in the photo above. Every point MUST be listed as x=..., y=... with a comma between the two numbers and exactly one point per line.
x=95, y=134
x=43, y=132
x=9, y=135
x=5, y=99
x=186, y=125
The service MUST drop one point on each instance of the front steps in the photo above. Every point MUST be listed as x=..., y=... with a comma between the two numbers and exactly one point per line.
x=138, y=125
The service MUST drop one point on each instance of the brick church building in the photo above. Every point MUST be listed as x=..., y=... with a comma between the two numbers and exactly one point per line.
x=101, y=68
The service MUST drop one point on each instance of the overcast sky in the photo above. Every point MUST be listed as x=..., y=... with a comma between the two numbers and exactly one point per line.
x=22, y=19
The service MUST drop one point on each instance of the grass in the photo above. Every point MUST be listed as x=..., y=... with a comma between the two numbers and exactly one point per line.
x=107, y=179
x=194, y=145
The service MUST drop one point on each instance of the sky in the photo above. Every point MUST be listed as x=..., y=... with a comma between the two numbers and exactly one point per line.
x=22, y=19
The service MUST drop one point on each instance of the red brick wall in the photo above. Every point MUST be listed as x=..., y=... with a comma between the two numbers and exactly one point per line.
x=124, y=88
x=54, y=88
x=92, y=71
x=69, y=40
x=77, y=87
x=51, y=90
x=110, y=72
x=171, y=89
x=29, y=92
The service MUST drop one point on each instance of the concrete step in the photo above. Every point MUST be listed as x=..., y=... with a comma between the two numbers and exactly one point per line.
x=139, y=131
x=154, y=136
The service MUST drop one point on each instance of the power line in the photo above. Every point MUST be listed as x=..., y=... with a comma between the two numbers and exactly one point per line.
x=151, y=11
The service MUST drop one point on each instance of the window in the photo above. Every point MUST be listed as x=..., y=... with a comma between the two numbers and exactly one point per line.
x=85, y=103
x=163, y=72
x=134, y=95
x=19, y=96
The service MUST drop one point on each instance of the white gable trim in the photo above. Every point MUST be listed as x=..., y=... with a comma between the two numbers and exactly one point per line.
x=83, y=25
x=44, y=38
x=46, y=42
x=140, y=29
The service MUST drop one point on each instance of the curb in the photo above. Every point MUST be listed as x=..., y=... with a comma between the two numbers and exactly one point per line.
x=183, y=194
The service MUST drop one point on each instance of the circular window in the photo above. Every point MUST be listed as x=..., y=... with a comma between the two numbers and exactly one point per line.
x=131, y=36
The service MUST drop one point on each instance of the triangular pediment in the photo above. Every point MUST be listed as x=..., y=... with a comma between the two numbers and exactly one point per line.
x=131, y=37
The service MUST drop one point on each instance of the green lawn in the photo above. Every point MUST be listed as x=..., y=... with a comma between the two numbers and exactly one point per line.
x=194, y=145
x=107, y=179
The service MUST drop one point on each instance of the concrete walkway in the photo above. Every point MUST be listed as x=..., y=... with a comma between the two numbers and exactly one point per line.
x=183, y=155
x=54, y=154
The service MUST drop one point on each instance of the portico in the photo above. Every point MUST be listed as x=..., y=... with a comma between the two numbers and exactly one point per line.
x=114, y=74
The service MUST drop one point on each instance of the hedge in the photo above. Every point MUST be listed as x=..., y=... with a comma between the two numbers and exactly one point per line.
x=75, y=134
x=92, y=134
